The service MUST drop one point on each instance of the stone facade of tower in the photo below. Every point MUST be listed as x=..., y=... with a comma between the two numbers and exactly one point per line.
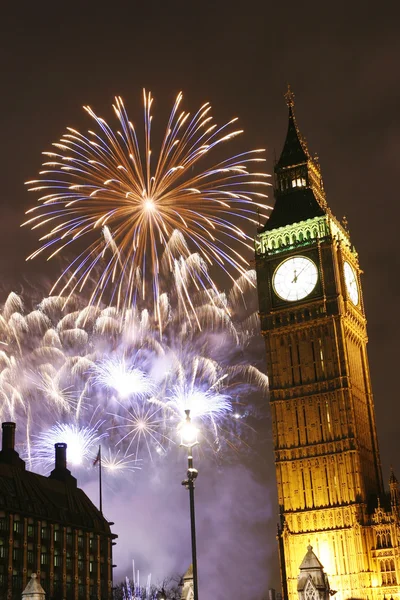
x=328, y=470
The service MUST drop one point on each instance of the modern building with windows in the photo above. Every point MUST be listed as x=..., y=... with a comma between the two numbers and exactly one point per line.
x=49, y=526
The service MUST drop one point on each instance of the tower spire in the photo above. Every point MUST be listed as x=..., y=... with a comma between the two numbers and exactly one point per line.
x=299, y=189
x=289, y=96
x=295, y=149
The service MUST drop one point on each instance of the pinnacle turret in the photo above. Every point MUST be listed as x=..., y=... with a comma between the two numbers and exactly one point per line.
x=392, y=477
x=394, y=492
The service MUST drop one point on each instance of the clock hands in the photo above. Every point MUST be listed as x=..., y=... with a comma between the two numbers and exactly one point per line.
x=289, y=281
x=296, y=276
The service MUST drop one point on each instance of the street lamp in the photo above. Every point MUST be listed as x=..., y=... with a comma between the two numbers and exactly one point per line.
x=161, y=595
x=189, y=440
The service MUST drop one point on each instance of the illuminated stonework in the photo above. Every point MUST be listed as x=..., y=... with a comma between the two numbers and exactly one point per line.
x=301, y=234
x=328, y=471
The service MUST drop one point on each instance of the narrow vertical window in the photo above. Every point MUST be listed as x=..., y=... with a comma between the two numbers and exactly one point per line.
x=312, y=488
x=327, y=485
x=320, y=422
x=321, y=355
x=304, y=489
x=297, y=426
x=299, y=363
x=314, y=361
x=305, y=424
x=328, y=417
x=344, y=556
x=291, y=362
x=334, y=554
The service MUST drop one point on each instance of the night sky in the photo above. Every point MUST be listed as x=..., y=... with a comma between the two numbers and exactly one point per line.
x=341, y=59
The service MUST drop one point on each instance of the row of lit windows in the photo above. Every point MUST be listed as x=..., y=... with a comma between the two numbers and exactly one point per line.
x=44, y=558
x=387, y=565
x=307, y=362
x=18, y=528
x=383, y=540
x=389, y=579
x=294, y=181
x=58, y=557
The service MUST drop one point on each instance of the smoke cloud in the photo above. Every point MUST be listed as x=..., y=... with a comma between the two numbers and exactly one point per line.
x=235, y=516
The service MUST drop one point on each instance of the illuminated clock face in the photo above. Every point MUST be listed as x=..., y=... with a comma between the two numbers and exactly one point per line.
x=351, y=283
x=295, y=278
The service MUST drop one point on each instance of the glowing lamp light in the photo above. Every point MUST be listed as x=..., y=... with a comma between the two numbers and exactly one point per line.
x=189, y=432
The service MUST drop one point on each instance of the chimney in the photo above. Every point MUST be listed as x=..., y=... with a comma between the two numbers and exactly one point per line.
x=61, y=455
x=8, y=454
x=8, y=436
x=60, y=471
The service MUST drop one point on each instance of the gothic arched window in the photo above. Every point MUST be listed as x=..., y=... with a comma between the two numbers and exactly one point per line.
x=310, y=593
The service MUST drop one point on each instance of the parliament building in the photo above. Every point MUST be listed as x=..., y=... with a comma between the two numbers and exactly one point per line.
x=335, y=514
x=49, y=529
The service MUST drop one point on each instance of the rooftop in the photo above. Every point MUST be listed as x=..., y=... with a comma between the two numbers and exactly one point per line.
x=55, y=498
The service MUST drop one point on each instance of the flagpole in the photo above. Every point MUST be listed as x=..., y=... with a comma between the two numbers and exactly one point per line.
x=100, y=486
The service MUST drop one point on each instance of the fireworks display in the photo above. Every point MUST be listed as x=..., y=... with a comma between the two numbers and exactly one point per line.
x=122, y=210
x=83, y=375
x=130, y=361
x=135, y=331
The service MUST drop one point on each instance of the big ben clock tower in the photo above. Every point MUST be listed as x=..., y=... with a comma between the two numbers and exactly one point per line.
x=328, y=470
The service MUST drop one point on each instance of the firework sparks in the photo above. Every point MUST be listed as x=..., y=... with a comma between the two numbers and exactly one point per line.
x=49, y=384
x=126, y=380
x=117, y=463
x=142, y=424
x=105, y=189
x=81, y=442
x=198, y=389
x=66, y=361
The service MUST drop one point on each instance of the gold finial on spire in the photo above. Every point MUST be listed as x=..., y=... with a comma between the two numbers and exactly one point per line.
x=289, y=96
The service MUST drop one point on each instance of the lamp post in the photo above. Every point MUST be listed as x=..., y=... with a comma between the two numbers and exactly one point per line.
x=189, y=440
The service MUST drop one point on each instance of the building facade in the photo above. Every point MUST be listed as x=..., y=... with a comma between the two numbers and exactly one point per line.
x=49, y=527
x=328, y=470
x=187, y=592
